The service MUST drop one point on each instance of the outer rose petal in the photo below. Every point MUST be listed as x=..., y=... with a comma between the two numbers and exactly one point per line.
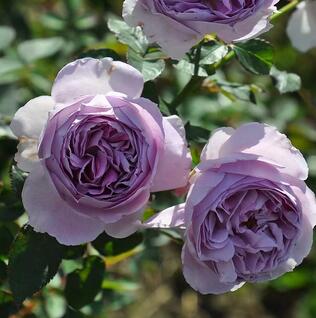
x=172, y=217
x=266, y=142
x=30, y=119
x=27, y=124
x=202, y=278
x=128, y=225
x=90, y=76
x=175, y=164
x=49, y=213
x=302, y=25
x=173, y=37
x=218, y=138
x=27, y=155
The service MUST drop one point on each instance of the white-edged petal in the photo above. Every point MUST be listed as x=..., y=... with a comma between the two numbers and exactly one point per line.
x=301, y=28
x=175, y=164
x=89, y=76
x=172, y=217
x=30, y=119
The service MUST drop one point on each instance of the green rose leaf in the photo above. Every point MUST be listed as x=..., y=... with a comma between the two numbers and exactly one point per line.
x=255, y=55
x=149, y=61
x=7, y=35
x=101, y=53
x=7, y=306
x=33, y=261
x=212, y=53
x=33, y=50
x=150, y=68
x=133, y=37
x=109, y=246
x=84, y=284
x=197, y=134
x=286, y=82
x=17, y=179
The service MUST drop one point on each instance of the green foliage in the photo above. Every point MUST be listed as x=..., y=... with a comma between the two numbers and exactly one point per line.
x=197, y=134
x=40, y=254
x=286, y=82
x=33, y=50
x=17, y=180
x=7, y=35
x=256, y=56
x=202, y=59
x=109, y=246
x=148, y=60
x=84, y=284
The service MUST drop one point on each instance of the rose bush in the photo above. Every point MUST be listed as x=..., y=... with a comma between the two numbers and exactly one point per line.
x=95, y=150
x=178, y=25
x=248, y=216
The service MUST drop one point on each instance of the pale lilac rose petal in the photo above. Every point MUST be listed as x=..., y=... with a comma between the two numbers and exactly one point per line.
x=302, y=25
x=49, y=213
x=267, y=143
x=172, y=217
x=27, y=155
x=124, y=227
x=217, y=139
x=202, y=278
x=30, y=119
x=175, y=164
x=27, y=124
x=91, y=76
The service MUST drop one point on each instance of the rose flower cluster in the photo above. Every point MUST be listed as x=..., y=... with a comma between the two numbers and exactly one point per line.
x=95, y=150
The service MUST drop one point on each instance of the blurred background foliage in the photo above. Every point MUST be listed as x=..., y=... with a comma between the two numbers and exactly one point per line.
x=141, y=277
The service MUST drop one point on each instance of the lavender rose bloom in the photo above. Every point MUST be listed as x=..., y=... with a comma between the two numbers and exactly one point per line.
x=95, y=150
x=177, y=25
x=249, y=216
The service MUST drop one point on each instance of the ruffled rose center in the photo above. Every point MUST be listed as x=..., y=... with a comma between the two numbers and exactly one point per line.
x=253, y=229
x=101, y=157
x=225, y=11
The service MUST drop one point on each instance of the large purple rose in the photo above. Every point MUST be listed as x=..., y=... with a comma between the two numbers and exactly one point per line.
x=249, y=216
x=95, y=150
x=177, y=25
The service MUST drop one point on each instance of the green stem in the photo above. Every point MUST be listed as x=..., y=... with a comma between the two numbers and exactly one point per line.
x=190, y=87
x=196, y=81
x=284, y=10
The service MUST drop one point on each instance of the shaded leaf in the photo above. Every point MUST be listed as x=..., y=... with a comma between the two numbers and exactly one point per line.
x=109, y=246
x=101, y=53
x=73, y=252
x=255, y=55
x=7, y=35
x=18, y=177
x=197, y=134
x=33, y=261
x=84, y=284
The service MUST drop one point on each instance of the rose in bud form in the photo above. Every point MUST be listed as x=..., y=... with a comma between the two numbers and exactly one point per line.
x=301, y=28
x=177, y=25
x=249, y=215
x=95, y=150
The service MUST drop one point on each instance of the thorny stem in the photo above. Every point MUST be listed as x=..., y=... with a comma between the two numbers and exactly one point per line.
x=197, y=81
